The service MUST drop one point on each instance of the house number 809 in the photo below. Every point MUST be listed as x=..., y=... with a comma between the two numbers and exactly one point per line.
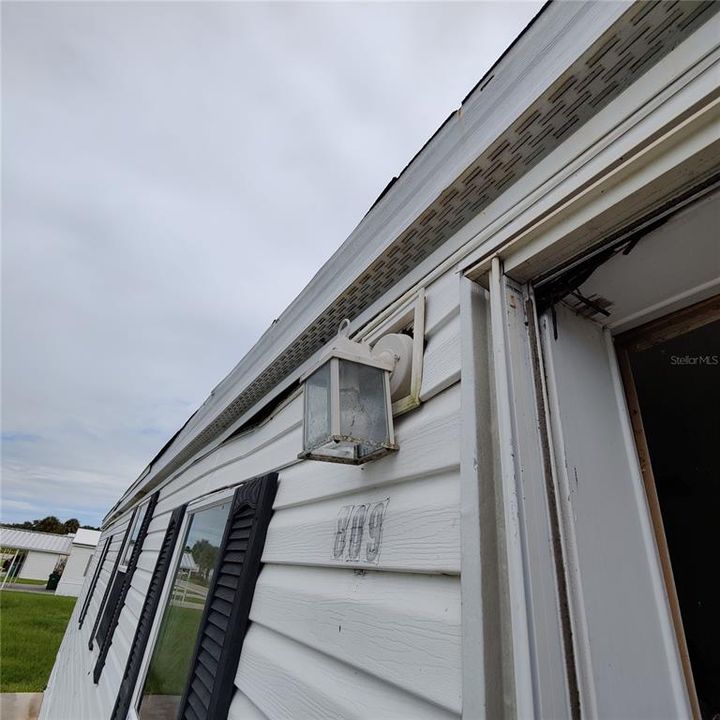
x=358, y=535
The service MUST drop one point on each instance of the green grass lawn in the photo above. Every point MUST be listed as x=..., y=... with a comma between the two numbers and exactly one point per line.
x=171, y=658
x=31, y=628
x=28, y=581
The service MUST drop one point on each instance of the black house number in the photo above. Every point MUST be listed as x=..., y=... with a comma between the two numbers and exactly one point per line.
x=358, y=535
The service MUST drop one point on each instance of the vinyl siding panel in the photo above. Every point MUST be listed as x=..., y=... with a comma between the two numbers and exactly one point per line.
x=399, y=627
x=421, y=528
x=429, y=439
x=242, y=709
x=441, y=368
x=289, y=681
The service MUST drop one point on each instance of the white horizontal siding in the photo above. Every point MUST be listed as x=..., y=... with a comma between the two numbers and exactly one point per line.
x=287, y=680
x=441, y=367
x=271, y=446
x=401, y=628
x=441, y=302
x=421, y=529
x=429, y=441
x=242, y=709
x=70, y=693
x=441, y=362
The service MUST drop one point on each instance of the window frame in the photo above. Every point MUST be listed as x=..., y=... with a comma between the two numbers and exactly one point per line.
x=193, y=507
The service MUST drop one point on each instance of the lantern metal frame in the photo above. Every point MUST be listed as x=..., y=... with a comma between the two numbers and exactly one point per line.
x=344, y=349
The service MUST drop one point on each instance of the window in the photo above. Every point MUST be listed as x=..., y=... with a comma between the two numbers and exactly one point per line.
x=173, y=653
x=205, y=585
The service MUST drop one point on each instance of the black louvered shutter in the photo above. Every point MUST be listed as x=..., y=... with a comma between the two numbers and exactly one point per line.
x=109, y=587
x=112, y=601
x=116, y=604
x=93, y=582
x=210, y=685
x=147, y=616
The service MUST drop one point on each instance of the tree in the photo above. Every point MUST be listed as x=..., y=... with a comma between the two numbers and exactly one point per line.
x=71, y=525
x=49, y=524
x=204, y=554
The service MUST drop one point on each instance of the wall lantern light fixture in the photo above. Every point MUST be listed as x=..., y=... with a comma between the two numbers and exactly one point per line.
x=348, y=404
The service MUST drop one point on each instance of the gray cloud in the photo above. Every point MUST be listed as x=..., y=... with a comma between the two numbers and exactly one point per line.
x=172, y=175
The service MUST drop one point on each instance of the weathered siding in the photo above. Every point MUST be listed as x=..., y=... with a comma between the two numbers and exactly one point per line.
x=328, y=638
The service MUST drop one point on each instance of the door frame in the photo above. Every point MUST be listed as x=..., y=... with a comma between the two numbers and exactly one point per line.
x=645, y=336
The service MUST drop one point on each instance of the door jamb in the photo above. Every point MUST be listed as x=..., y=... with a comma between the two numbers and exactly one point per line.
x=645, y=336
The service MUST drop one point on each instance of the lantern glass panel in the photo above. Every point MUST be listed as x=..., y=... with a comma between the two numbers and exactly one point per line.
x=317, y=407
x=363, y=406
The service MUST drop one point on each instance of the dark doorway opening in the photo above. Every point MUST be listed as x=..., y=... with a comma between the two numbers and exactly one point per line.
x=671, y=371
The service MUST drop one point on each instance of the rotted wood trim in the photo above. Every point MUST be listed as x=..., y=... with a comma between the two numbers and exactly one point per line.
x=668, y=327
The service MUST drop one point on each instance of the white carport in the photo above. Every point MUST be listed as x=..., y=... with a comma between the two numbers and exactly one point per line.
x=32, y=555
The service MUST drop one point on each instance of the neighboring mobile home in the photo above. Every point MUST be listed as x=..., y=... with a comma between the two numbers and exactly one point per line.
x=538, y=537
x=33, y=555
x=83, y=546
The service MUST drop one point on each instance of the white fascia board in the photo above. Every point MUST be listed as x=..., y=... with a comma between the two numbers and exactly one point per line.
x=557, y=37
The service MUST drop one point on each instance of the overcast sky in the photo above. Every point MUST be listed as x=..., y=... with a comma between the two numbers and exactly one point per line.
x=173, y=174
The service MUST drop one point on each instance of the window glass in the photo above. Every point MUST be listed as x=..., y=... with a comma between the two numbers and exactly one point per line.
x=133, y=535
x=170, y=663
